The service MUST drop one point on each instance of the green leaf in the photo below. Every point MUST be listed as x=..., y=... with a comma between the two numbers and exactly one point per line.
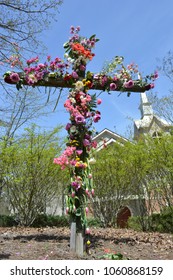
x=78, y=212
x=92, y=36
x=93, y=102
x=66, y=45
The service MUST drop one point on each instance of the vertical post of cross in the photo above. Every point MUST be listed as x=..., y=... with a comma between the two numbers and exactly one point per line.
x=77, y=234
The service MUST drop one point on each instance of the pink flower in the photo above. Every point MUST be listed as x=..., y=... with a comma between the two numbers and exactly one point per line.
x=68, y=126
x=78, y=28
x=115, y=79
x=62, y=161
x=152, y=85
x=15, y=77
x=94, y=144
x=88, y=115
x=69, y=151
x=96, y=118
x=87, y=136
x=32, y=60
x=88, y=98
x=80, y=119
x=74, y=75
x=79, y=152
x=73, y=162
x=104, y=80
x=155, y=75
x=72, y=29
x=39, y=75
x=86, y=210
x=113, y=86
x=87, y=231
x=86, y=142
x=67, y=104
x=129, y=84
x=74, y=184
x=92, y=192
x=73, y=194
x=87, y=191
x=82, y=67
x=99, y=101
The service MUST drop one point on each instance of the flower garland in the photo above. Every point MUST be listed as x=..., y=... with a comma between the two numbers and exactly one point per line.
x=77, y=54
x=82, y=107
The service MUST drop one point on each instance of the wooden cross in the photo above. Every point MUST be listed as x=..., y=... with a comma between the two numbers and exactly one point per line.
x=80, y=140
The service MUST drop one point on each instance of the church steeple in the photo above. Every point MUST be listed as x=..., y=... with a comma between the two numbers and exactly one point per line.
x=145, y=106
x=149, y=123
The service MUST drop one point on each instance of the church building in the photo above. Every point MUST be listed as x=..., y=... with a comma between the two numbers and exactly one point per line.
x=148, y=124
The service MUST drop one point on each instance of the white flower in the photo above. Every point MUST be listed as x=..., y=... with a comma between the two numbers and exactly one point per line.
x=73, y=129
x=92, y=160
x=66, y=55
x=72, y=100
x=79, y=85
x=71, y=60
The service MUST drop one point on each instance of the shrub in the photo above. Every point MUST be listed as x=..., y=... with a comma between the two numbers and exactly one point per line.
x=161, y=222
x=94, y=222
x=134, y=223
x=44, y=220
x=7, y=221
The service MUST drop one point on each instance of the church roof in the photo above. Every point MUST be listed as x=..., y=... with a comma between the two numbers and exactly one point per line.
x=146, y=121
x=106, y=137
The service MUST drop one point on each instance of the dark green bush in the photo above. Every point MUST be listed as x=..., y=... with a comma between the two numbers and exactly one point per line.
x=44, y=220
x=134, y=223
x=7, y=221
x=161, y=222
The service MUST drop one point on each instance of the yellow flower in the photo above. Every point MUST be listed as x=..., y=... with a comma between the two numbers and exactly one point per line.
x=87, y=83
x=88, y=242
x=77, y=158
x=74, y=143
x=81, y=164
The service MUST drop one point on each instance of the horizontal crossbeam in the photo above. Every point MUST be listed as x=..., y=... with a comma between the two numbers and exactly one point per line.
x=61, y=83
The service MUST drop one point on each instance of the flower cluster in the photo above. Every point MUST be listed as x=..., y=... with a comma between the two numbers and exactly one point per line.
x=35, y=72
x=82, y=107
x=78, y=51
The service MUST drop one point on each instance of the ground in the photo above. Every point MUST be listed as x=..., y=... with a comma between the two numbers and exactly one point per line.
x=20, y=243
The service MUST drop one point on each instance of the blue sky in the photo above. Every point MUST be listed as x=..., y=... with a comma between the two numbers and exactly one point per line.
x=141, y=31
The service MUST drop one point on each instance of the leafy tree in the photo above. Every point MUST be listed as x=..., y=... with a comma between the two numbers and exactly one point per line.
x=141, y=171
x=161, y=172
x=112, y=181
x=153, y=175
x=164, y=106
x=29, y=175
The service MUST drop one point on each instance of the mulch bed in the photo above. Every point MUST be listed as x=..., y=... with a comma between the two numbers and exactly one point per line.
x=22, y=243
